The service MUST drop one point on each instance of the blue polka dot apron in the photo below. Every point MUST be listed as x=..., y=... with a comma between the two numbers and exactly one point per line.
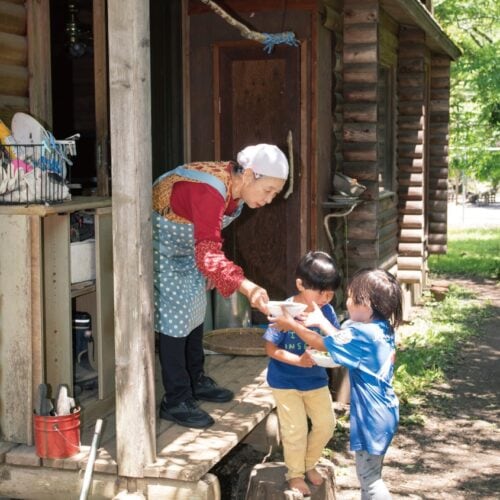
x=179, y=287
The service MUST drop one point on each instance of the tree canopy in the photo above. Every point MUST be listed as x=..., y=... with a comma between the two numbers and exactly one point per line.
x=474, y=26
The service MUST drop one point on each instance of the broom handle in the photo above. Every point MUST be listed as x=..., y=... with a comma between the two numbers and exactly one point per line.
x=90, y=463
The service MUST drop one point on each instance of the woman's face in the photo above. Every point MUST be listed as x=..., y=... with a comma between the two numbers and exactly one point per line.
x=259, y=192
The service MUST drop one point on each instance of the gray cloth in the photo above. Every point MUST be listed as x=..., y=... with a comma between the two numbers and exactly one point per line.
x=369, y=471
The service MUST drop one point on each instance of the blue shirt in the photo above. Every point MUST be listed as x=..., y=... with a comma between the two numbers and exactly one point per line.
x=285, y=376
x=368, y=351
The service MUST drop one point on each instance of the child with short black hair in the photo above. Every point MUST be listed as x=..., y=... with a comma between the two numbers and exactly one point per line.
x=300, y=388
x=366, y=346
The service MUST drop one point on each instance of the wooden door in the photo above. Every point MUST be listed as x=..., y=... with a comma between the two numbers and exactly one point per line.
x=257, y=98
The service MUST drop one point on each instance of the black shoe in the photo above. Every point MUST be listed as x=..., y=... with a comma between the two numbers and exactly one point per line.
x=207, y=390
x=186, y=413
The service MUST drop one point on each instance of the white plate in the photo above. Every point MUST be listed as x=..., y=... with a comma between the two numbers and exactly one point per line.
x=293, y=308
x=322, y=359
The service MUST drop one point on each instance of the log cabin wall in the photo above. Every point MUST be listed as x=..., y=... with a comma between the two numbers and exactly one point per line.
x=412, y=163
x=438, y=157
x=14, y=80
x=333, y=22
x=361, y=56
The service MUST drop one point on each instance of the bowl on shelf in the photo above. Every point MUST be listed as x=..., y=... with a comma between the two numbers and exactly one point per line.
x=293, y=308
x=322, y=358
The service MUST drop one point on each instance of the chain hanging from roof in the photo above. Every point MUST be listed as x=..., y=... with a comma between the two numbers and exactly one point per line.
x=269, y=40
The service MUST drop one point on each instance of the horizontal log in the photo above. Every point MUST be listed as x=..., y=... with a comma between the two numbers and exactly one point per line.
x=439, y=129
x=362, y=171
x=438, y=228
x=438, y=150
x=360, y=112
x=410, y=164
x=364, y=153
x=358, y=92
x=410, y=108
x=411, y=66
x=440, y=61
x=354, y=132
x=411, y=235
x=439, y=72
x=411, y=249
x=409, y=94
x=368, y=210
x=408, y=221
x=388, y=246
x=362, y=249
x=411, y=207
x=361, y=13
x=13, y=80
x=410, y=192
x=410, y=122
x=438, y=216
x=12, y=18
x=438, y=166
x=439, y=139
x=438, y=93
x=410, y=178
x=440, y=117
x=410, y=276
x=437, y=206
x=409, y=33
x=438, y=239
x=367, y=53
x=362, y=230
x=360, y=73
x=361, y=33
x=438, y=183
x=440, y=105
x=388, y=231
x=438, y=194
x=440, y=83
x=410, y=263
x=411, y=50
x=410, y=136
x=13, y=50
x=414, y=80
x=437, y=249
x=405, y=151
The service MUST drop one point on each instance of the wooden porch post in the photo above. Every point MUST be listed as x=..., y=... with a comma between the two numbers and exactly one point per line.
x=130, y=113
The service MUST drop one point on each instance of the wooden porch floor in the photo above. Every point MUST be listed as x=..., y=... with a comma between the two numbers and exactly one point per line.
x=182, y=454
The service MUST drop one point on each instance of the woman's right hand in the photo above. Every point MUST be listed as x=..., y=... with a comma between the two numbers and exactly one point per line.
x=256, y=295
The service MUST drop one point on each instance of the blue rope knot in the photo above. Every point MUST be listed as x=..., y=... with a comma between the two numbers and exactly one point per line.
x=271, y=40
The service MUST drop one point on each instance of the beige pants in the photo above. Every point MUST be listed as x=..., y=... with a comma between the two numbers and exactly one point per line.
x=302, y=447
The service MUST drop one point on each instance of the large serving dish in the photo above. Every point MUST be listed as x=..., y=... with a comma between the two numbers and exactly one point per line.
x=293, y=308
x=322, y=359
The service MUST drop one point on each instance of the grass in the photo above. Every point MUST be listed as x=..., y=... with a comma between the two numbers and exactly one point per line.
x=428, y=347
x=471, y=252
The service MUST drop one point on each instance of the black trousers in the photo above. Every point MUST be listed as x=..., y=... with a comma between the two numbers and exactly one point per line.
x=181, y=360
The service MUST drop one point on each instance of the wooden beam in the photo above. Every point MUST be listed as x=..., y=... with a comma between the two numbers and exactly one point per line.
x=39, y=63
x=130, y=106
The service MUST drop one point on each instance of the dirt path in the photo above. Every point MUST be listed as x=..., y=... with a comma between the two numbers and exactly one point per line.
x=456, y=454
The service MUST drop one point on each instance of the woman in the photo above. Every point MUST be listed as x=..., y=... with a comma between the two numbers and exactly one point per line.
x=191, y=206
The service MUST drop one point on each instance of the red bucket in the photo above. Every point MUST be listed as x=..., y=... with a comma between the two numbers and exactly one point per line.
x=57, y=437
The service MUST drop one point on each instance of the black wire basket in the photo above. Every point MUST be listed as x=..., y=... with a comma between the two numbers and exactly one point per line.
x=35, y=173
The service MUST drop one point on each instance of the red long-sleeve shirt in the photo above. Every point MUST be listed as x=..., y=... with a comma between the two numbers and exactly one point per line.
x=203, y=205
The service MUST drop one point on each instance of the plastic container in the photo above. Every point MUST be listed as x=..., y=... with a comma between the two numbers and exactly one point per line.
x=57, y=437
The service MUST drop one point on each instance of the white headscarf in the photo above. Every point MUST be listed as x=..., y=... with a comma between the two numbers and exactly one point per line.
x=264, y=159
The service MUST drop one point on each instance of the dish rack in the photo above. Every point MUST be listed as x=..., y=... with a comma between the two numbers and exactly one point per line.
x=36, y=173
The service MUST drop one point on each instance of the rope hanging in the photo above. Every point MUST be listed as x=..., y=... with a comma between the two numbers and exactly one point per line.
x=269, y=40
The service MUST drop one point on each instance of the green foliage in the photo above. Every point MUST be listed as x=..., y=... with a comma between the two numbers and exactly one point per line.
x=429, y=346
x=471, y=252
x=475, y=86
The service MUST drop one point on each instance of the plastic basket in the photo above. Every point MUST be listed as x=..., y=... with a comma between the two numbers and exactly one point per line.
x=35, y=173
